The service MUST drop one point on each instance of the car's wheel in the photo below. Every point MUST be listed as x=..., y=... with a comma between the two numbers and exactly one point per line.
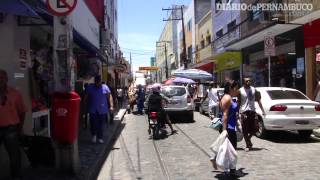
x=262, y=132
x=305, y=134
x=190, y=116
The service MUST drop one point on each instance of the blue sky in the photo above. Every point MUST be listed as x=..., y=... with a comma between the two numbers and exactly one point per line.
x=140, y=25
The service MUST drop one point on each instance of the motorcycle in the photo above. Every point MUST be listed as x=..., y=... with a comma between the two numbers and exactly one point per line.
x=155, y=125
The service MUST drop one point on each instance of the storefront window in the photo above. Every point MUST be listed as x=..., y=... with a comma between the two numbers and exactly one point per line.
x=283, y=71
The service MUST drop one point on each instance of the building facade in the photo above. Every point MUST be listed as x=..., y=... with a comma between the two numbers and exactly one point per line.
x=166, y=48
x=190, y=36
x=226, y=64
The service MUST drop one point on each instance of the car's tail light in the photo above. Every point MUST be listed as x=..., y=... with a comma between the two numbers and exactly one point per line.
x=189, y=99
x=153, y=115
x=278, y=108
x=317, y=107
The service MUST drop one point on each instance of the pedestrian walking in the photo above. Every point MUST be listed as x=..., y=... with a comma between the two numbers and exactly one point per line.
x=12, y=111
x=212, y=94
x=120, y=95
x=229, y=118
x=140, y=99
x=96, y=99
x=131, y=95
x=247, y=95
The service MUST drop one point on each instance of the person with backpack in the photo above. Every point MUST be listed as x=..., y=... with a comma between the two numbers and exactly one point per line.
x=247, y=96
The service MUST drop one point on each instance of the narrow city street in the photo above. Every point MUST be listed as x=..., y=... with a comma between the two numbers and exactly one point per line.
x=185, y=155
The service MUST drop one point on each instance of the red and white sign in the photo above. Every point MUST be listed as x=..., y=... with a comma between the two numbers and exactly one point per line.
x=61, y=7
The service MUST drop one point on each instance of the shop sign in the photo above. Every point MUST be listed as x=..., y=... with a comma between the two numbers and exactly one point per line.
x=227, y=60
x=152, y=68
x=85, y=23
x=318, y=57
x=119, y=68
x=269, y=46
x=61, y=7
x=23, y=59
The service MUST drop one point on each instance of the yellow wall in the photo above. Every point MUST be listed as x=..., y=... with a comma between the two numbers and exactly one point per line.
x=203, y=30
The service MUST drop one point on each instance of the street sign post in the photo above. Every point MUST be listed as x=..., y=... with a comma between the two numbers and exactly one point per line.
x=67, y=156
x=61, y=7
x=269, y=50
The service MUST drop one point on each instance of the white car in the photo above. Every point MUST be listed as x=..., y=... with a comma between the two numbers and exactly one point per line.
x=179, y=101
x=287, y=109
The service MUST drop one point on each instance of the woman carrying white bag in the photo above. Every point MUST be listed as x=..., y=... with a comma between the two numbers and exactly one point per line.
x=225, y=155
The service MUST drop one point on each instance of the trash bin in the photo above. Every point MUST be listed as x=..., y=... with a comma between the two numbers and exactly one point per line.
x=65, y=117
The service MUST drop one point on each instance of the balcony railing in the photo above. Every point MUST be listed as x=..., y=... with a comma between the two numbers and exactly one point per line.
x=204, y=53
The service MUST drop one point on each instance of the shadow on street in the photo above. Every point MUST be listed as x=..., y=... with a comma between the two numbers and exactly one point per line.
x=289, y=137
x=226, y=176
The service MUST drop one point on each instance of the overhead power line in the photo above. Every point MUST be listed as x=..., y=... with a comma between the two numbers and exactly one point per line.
x=139, y=50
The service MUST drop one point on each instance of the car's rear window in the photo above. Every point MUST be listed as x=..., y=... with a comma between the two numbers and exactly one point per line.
x=173, y=91
x=285, y=94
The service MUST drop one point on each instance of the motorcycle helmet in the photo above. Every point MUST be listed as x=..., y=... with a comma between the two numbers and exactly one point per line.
x=156, y=87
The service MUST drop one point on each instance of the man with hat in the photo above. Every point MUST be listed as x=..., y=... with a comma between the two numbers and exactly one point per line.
x=96, y=99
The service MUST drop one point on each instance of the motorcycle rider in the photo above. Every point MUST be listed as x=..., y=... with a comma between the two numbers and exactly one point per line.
x=155, y=104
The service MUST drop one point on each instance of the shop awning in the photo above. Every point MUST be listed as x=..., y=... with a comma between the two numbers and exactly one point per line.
x=275, y=29
x=81, y=41
x=228, y=60
x=17, y=7
x=307, y=18
x=206, y=65
x=86, y=45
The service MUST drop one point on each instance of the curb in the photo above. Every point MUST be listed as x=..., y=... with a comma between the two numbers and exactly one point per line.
x=94, y=171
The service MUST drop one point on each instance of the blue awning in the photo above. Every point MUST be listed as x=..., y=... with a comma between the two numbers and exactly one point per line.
x=86, y=45
x=17, y=7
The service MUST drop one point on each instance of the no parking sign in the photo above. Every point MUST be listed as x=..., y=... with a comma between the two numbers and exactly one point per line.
x=61, y=7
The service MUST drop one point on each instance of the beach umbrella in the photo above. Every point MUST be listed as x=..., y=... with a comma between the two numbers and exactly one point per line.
x=182, y=80
x=193, y=74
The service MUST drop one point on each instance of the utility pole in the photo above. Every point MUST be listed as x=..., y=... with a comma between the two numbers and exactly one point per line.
x=184, y=49
x=165, y=54
x=130, y=64
x=166, y=59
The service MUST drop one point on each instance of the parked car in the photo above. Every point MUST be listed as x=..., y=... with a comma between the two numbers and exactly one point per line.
x=179, y=101
x=204, y=105
x=287, y=109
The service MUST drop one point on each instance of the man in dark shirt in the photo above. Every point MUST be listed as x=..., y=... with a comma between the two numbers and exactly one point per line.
x=156, y=105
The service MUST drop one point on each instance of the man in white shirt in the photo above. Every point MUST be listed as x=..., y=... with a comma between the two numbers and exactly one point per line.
x=212, y=94
x=246, y=100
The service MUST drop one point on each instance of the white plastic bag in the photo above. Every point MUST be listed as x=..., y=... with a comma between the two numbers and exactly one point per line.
x=218, y=142
x=227, y=156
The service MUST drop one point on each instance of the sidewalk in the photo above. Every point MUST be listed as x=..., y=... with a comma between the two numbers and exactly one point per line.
x=92, y=156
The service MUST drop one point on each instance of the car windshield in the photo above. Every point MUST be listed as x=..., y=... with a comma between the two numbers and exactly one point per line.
x=285, y=94
x=173, y=91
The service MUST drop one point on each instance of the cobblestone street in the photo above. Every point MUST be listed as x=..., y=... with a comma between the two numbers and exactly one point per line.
x=185, y=155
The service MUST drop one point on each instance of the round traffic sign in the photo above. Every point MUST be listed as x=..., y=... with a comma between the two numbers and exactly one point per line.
x=61, y=7
x=269, y=41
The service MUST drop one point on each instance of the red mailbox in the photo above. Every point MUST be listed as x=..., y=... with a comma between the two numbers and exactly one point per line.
x=65, y=120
